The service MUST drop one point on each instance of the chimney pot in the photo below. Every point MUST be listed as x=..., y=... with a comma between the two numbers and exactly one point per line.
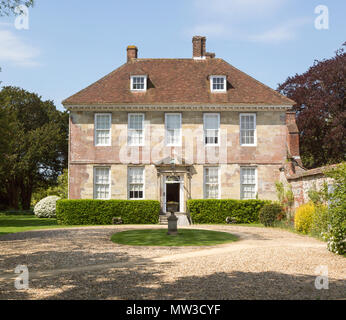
x=132, y=52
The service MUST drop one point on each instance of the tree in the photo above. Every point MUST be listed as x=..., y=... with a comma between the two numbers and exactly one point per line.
x=36, y=149
x=319, y=94
x=8, y=7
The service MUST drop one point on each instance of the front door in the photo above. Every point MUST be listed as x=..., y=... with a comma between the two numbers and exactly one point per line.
x=173, y=191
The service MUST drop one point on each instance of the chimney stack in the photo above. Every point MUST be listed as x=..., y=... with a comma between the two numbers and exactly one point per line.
x=132, y=52
x=292, y=135
x=198, y=46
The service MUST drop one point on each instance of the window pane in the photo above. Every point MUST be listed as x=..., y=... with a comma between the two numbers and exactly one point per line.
x=102, y=129
x=248, y=183
x=247, y=129
x=173, y=129
x=218, y=83
x=173, y=121
x=211, y=122
x=138, y=83
x=102, y=183
x=103, y=121
x=211, y=180
x=136, y=183
x=135, y=129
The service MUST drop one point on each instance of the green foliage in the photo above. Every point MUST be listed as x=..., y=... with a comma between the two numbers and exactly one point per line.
x=336, y=234
x=216, y=211
x=319, y=220
x=303, y=218
x=60, y=190
x=286, y=197
x=35, y=146
x=318, y=197
x=270, y=213
x=101, y=212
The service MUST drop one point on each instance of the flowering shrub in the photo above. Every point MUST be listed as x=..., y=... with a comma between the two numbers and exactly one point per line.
x=46, y=208
x=336, y=234
x=304, y=217
x=336, y=241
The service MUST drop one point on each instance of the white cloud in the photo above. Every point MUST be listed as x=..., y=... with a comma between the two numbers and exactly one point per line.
x=284, y=32
x=14, y=50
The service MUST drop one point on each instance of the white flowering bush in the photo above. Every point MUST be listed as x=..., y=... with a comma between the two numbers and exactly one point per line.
x=46, y=208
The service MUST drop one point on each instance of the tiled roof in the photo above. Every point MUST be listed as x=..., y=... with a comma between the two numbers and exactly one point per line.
x=312, y=172
x=177, y=81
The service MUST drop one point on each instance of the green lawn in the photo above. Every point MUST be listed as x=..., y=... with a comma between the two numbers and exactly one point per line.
x=18, y=223
x=185, y=237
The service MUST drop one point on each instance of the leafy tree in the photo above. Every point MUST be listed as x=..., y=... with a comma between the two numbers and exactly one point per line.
x=7, y=7
x=35, y=151
x=321, y=113
x=60, y=189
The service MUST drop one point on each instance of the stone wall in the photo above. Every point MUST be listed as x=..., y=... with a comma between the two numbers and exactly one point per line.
x=268, y=155
x=304, y=181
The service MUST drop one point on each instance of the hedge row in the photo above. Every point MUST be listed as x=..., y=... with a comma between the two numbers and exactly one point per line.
x=216, y=211
x=101, y=212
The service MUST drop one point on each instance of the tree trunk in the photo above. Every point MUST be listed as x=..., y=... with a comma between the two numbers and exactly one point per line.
x=25, y=194
x=13, y=194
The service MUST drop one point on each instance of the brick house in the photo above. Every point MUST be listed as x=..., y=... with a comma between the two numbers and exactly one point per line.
x=178, y=129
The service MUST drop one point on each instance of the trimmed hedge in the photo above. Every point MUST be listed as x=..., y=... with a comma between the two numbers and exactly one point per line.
x=216, y=211
x=101, y=212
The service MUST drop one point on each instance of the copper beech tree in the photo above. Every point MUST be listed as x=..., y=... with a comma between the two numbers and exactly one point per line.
x=321, y=114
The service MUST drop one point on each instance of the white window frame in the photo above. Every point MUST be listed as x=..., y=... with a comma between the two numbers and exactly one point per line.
x=204, y=181
x=145, y=83
x=166, y=130
x=128, y=130
x=128, y=183
x=110, y=182
x=110, y=130
x=255, y=130
x=218, y=90
x=241, y=182
x=204, y=130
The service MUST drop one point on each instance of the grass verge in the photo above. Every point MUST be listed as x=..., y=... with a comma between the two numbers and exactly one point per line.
x=185, y=237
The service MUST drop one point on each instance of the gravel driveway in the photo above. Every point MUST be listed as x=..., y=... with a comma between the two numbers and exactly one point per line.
x=82, y=263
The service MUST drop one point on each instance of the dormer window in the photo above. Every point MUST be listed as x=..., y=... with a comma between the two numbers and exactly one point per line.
x=218, y=84
x=138, y=83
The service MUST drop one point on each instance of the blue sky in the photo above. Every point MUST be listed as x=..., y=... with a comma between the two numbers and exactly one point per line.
x=70, y=44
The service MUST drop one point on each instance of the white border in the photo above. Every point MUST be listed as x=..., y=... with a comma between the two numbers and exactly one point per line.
x=255, y=136
x=110, y=130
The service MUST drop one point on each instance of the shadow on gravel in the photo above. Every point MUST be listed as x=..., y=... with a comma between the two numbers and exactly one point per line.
x=145, y=282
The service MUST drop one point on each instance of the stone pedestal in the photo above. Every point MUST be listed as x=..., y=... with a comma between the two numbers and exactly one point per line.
x=172, y=219
x=172, y=224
